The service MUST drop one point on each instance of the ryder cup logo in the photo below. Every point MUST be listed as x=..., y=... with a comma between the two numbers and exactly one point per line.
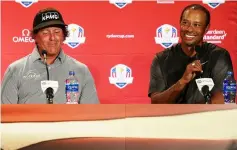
x=166, y=35
x=26, y=3
x=76, y=36
x=213, y=3
x=120, y=76
x=120, y=3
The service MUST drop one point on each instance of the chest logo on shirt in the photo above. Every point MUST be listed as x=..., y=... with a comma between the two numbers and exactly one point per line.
x=31, y=74
x=166, y=35
x=120, y=76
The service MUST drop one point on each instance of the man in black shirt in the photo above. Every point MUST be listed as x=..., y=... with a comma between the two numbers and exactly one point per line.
x=174, y=70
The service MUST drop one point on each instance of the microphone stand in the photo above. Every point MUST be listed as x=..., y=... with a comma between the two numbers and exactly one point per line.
x=208, y=98
x=206, y=94
x=49, y=90
x=49, y=95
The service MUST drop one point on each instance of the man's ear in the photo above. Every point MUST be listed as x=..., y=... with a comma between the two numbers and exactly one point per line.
x=207, y=28
x=32, y=34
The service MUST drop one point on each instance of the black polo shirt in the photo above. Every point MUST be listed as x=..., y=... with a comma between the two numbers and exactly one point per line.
x=169, y=65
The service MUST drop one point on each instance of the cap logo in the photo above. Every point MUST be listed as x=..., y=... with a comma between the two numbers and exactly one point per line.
x=50, y=16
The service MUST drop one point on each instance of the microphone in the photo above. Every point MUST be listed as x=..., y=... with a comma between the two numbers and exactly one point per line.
x=198, y=49
x=44, y=53
x=49, y=91
x=49, y=95
x=205, y=85
x=206, y=93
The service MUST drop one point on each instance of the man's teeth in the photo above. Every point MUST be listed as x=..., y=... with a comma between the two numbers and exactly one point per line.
x=189, y=36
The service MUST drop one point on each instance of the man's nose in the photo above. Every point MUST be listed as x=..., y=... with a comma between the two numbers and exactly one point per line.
x=190, y=28
x=51, y=36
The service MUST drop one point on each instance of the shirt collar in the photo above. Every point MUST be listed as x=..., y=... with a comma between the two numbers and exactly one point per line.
x=203, y=50
x=61, y=56
x=35, y=55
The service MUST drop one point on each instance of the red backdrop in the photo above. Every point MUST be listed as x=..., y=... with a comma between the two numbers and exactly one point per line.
x=104, y=26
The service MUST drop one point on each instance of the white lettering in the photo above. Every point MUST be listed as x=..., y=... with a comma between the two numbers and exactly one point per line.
x=214, y=37
x=27, y=39
x=22, y=39
x=25, y=32
x=119, y=36
x=31, y=76
x=216, y=32
x=50, y=15
x=14, y=39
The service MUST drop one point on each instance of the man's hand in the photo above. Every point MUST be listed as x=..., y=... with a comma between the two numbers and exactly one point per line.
x=189, y=73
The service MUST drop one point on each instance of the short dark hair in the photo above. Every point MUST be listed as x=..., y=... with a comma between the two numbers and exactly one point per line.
x=197, y=7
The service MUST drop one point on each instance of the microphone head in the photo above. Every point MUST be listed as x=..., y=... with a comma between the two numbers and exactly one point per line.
x=49, y=90
x=205, y=90
x=44, y=52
